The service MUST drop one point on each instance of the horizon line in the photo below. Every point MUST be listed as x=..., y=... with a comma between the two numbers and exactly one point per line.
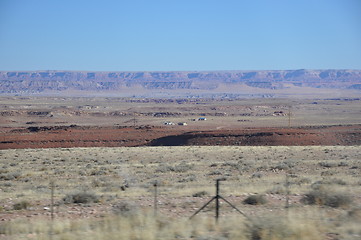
x=258, y=70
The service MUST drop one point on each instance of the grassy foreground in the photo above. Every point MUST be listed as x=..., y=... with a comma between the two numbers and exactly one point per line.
x=146, y=226
x=297, y=225
x=323, y=183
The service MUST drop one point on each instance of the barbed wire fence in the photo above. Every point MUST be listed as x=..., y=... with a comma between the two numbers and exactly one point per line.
x=156, y=191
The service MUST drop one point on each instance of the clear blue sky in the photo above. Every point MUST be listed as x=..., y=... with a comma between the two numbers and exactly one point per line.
x=163, y=35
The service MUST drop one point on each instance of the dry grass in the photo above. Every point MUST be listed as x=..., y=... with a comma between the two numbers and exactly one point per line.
x=132, y=171
x=146, y=226
x=186, y=178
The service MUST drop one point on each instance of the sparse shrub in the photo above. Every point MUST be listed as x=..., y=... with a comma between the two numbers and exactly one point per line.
x=96, y=172
x=189, y=178
x=21, y=205
x=328, y=173
x=180, y=168
x=327, y=164
x=303, y=181
x=327, y=198
x=318, y=184
x=338, y=181
x=355, y=214
x=244, y=165
x=258, y=199
x=200, y=194
x=233, y=165
x=42, y=188
x=270, y=227
x=25, y=179
x=100, y=182
x=59, y=172
x=257, y=175
x=281, y=166
x=7, y=184
x=124, y=186
x=125, y=208
x=10, y=176
x=215, y=173
x=342, y=164
x=278, y=190
x=81, y=197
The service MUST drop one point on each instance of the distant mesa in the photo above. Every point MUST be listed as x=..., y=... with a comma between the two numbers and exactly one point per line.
x=58, y=82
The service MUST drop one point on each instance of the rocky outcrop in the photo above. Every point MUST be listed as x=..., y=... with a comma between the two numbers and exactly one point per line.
x=42, y=81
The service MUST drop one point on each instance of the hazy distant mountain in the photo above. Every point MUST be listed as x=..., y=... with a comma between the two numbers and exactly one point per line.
x=103, y=83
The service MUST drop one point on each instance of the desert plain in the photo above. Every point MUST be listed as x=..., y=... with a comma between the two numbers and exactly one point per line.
x=133, y=168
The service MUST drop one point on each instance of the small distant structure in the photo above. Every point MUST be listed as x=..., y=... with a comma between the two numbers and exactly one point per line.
x=202, y=119
x=182, y=124
x=168, y=123
x=279, y=113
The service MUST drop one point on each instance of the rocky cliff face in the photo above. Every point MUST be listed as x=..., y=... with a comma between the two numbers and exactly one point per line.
x=43, y=81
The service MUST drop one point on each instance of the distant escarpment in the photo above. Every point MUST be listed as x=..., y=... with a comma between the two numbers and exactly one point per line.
x=37, y=82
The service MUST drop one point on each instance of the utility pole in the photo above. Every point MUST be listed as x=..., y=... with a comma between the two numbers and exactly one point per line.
x=289, y=116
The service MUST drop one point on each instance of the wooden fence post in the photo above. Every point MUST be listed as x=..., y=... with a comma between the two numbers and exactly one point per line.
x=52, y=199
x=155, y=197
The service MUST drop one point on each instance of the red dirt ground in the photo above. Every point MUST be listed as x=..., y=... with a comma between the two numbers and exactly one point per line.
x=79, y=136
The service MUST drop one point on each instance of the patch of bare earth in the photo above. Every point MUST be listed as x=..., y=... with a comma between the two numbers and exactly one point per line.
x=78, y=136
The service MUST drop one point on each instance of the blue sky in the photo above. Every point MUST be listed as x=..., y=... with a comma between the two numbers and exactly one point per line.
x=165, y=35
